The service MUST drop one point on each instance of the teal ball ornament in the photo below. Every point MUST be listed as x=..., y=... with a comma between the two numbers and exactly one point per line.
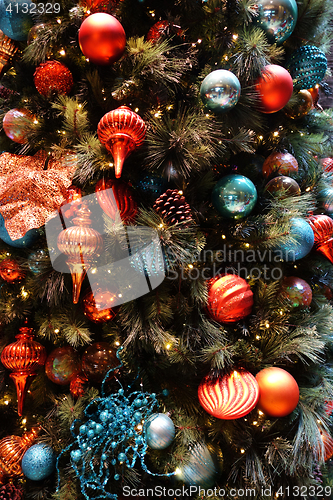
x=160, y=431
x=201, y=469
x=277, y=18
x=234, y=196
x=302, y=241
x=325, y=199
x=307, y=67
x=38, y=462
x=220, y=90
x=25, y=242
x=16, y=19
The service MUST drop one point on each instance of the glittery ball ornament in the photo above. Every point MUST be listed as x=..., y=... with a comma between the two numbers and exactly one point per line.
x=97, y=360
x=274, y=88
x=307, y=66
x=24, y=358
x=17, y=123
x=234, y=196
x=53, y=77
x=230, y=298
x=102, y=38
x=278, y=392
x=116, y=198
x=98, y=304
x=82, y=244
x=322, y=226
x=121, y=131
x=220, y=91
x=279, y=164
x=325, y=200
x=10, y=271
x=163, y=30
x=299, y=106
x=230, y=396
x=62, y=364
x=300, y=243
x=297, y=291
x=38, y=462
x=277, y=18
x=160, y=431
x=282, y=187
x=201, y=469
x=16, y=19
x=12, y=449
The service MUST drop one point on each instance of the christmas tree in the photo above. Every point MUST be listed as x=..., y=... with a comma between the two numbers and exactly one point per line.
x=166, y=249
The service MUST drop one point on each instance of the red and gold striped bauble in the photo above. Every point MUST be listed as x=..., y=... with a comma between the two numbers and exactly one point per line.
x=322, y=226
x=229, y=298
x=116, y=199
x=231, y=396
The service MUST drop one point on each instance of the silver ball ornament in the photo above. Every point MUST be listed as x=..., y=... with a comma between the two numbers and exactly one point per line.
x=160, y=431
x=220, y=90
x=277, y=18
x=201, y=469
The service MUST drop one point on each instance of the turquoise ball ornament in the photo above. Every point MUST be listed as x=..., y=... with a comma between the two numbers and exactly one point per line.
x=234, y=196
x=201, y=469
x=277, y=18
x=38, y=462
x=25, y=242
x=325, y=199
x=16, y=19
x=303, y=240
x=160, y=431
x=220, y=91
x=307, y=67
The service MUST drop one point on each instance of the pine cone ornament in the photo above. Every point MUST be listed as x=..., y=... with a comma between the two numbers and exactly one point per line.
x=172, y=207
x=11, y=492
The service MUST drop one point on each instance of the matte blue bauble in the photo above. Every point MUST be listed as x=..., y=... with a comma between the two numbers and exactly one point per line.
x=302, y=233
x=153, y=185
x=307, y=66
x=220, y=90
x=15, y=19
x=234, y=196
x=38, y=462
x=28, y=239
x=325, y=198
x=202, y=469
x=277, y=18
x=160, y=431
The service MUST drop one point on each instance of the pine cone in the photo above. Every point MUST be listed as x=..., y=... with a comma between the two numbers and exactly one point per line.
x=11, y=492
x=173, y=208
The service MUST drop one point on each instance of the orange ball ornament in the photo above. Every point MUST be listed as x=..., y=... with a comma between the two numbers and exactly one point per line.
x=275, y=88
x=328, y=444
x=279, y=164
x=12, y=449
x=230, y=298
x=10, y=271
x=98, y=304
x=278, y=392
x=229, y=397
x=102, y=38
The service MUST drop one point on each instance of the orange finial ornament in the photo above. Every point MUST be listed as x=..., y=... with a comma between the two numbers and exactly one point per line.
x=24, y=357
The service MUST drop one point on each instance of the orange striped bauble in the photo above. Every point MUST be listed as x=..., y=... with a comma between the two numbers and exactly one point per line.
x=231, y=396
x=230, y=298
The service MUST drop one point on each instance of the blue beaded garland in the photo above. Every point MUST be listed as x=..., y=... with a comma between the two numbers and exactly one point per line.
x=160, y=431
x=307, y=66
x=38, y=462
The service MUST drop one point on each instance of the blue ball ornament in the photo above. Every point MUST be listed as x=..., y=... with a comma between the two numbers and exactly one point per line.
x=38, y=462
x=25, y=242
x=201, y=469
x=303, y=236
x=307, y=66
x=160, y=431
x=15, y=19
x=277, y=18
x=325, y=198
x=220, y=91
x=234, y=196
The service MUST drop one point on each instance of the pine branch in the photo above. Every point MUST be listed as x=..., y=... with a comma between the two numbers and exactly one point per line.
x=75, y=117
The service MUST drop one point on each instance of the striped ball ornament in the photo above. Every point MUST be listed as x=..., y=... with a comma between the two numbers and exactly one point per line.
x=229, y=397
x=229, y=298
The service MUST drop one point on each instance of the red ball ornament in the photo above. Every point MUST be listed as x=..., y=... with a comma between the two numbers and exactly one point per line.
x=229, y=298
x=275, y=88
x=279, y=164
x=163, y=29
x=278, y=392
x=102, y=38
x=62, y=364
x=121, y=131
x=231, y=396
x=97, y=360
x=328, y=444
x=98, y=305
x=10, y=271
x=327, y=164
x=298, y=291
x=322, y=226
x=116, y=199
x=17, y=123
x=53, y=76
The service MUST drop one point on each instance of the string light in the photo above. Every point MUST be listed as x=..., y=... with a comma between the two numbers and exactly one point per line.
x=267, y=325
x=62, y=52
x=168, y=346
x=223, y=236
